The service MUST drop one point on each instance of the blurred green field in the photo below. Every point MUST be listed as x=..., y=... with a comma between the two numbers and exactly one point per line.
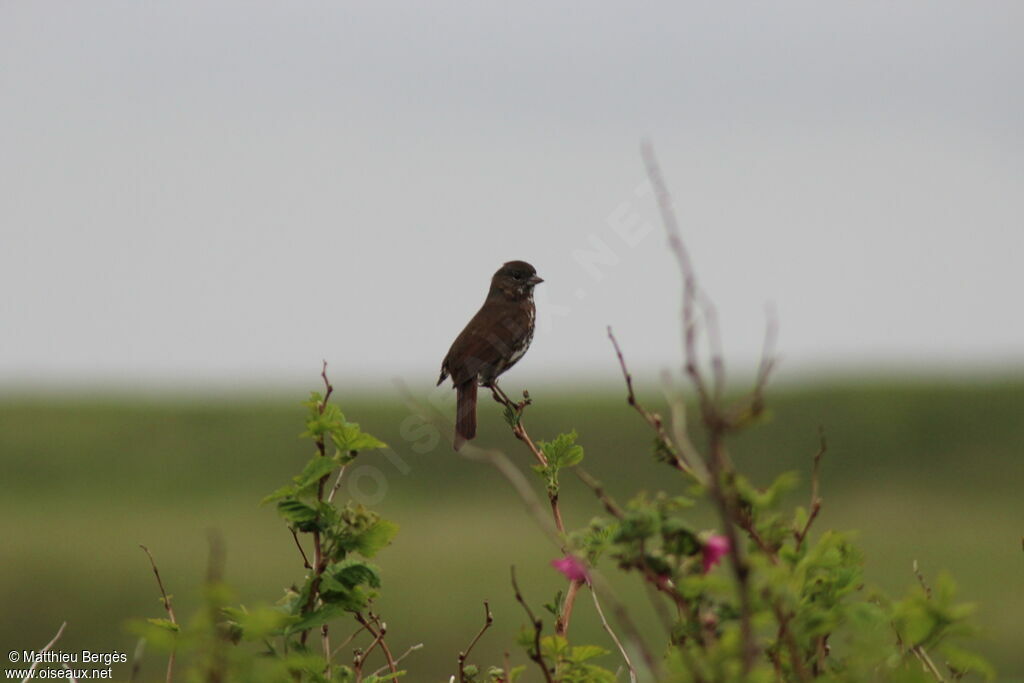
x=926, y=471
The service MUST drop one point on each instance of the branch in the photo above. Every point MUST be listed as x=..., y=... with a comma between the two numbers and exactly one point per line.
x=515, y=413
x=488, y=620
x=717, y=422
x=538, y=626
x=618, y=643
x=650, y=576
x=815, y=508
x=378, y=638
x=412, y=648
x=679, y=460
x=786, y=636
x=319, y=561
x=60, y=632
x=167, y=606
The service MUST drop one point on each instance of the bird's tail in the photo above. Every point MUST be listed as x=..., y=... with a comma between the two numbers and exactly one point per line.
x=465, y=413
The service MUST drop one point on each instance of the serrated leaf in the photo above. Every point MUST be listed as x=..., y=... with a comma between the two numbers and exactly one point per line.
x=298, y=514
x=582, y=653
x=316, y=618
x=348, y=437
x=562, y=451
x=553, y=646
x=316, y=469
x=370, y=542
x=283, y=492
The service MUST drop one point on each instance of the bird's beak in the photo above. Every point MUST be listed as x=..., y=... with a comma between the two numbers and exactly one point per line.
x=534, y=280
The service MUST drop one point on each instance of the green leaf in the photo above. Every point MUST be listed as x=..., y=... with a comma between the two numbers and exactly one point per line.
x=342, y=584
x=967, y=662
x=316, y=469
x=283, y=492
x=370, y=542
x=582, y=653
x=165, y=624
x=352, y=573
x=553, y=646
x=301, y=516
x=511, y=417
x=316, y=618
x=348, y=437
x=261, y=622
x=562, y=451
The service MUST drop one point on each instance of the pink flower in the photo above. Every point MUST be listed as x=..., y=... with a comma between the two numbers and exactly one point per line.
x=572, y=568
x=715, y=549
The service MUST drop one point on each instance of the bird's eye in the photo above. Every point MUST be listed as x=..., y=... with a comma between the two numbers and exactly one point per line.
x=518, y=276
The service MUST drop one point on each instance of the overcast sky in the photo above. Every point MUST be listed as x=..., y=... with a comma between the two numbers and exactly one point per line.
x=228, y=192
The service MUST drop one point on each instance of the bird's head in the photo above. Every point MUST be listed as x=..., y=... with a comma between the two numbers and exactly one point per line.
x=516, y=280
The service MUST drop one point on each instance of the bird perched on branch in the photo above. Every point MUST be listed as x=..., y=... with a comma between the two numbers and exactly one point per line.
x=493, y=341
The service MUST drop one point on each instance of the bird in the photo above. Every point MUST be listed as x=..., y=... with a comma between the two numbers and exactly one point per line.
x=493, y=341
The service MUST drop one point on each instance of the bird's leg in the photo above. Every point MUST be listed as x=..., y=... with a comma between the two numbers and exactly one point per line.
x=499, y=395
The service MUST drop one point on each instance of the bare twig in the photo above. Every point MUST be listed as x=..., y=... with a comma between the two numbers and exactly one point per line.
x=378, y=634
x=348, y=640
x=714, y=334
x=46, y=648
x=488, y=620
x=409, y=651
x=337, y=484
x=166, y=600
x=538, y=627
x=594, y=485
x=615, y=638
x=801, y=534
x=305, y=560
x=717, y=422
x=678, y=459
x=921, y=580
x=359, y=657
x=680, y=431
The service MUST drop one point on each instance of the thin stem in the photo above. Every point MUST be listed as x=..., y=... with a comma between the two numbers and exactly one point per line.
x=538, y=627
x=812, y=514
x=46, y=648
x=379, y=637
x=167, y=606
x=412, y=648
x=679, y=460
x=615, y=638
x=488, y=620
